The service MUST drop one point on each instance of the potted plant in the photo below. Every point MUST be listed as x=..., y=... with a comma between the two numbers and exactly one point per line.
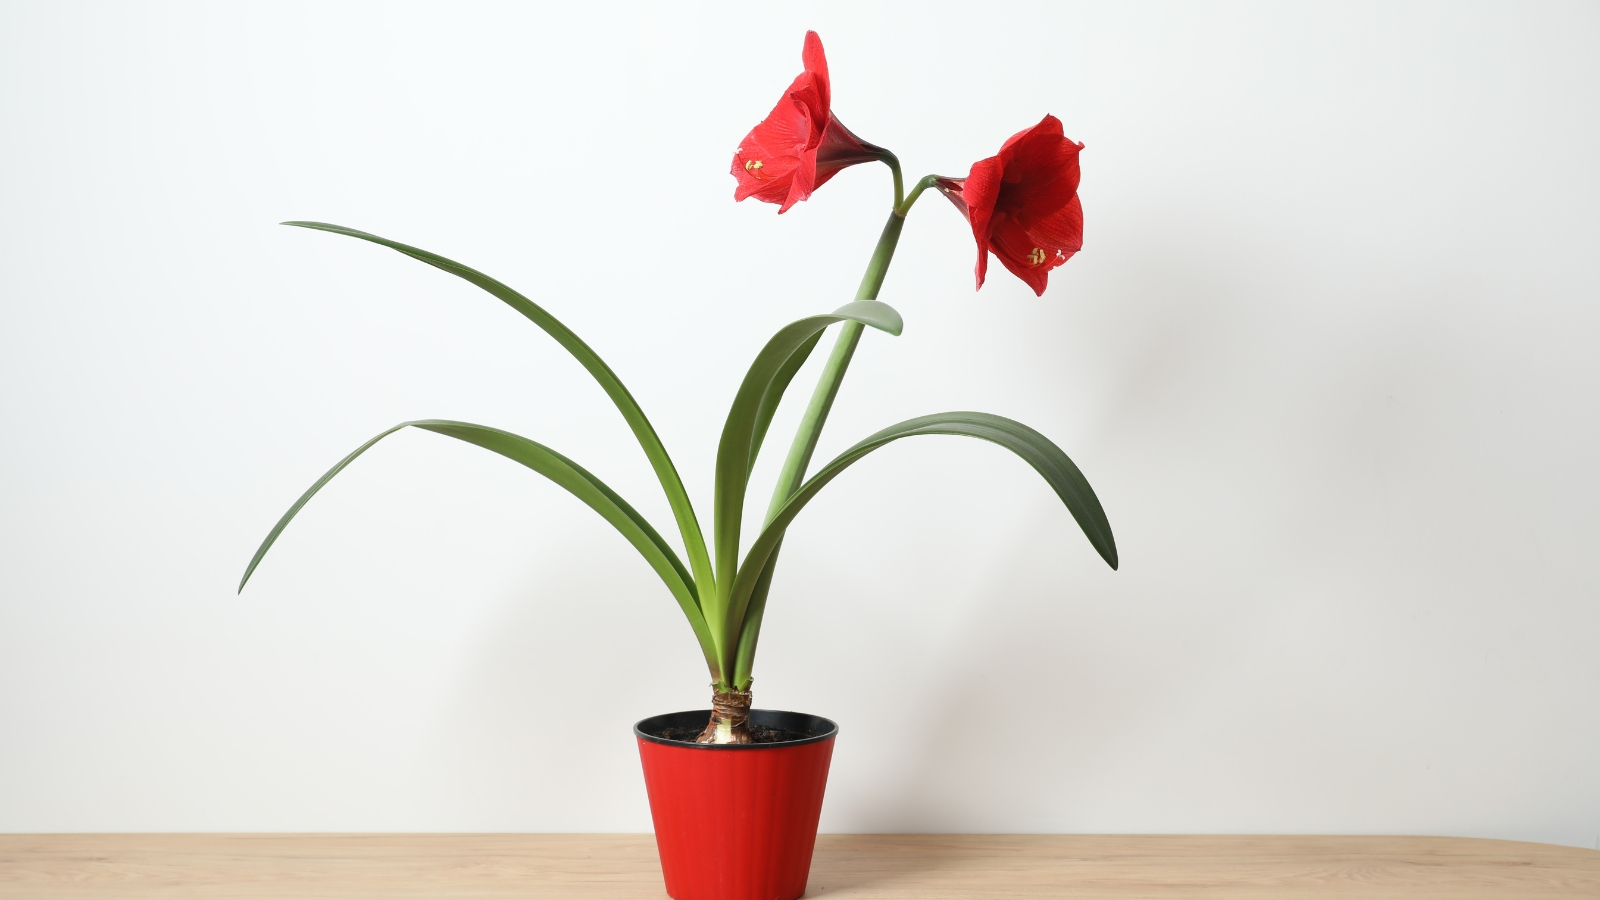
x=735, y=792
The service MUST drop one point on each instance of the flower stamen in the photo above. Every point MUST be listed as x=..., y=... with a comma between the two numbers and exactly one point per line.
x=1036, y=257
x=753, y=166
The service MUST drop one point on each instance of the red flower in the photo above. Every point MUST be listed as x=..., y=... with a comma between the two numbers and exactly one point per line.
x=1023, y=203
x=799, y=145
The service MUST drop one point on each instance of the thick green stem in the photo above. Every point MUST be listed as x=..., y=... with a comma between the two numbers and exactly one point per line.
x=844, y=346
x=816, y=415
x=832, y=375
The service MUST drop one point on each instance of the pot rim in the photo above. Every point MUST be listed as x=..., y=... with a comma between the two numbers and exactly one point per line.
x=774, y=718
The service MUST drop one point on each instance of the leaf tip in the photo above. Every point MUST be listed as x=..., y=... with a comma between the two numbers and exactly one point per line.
x=893, y=323
x=876, y=313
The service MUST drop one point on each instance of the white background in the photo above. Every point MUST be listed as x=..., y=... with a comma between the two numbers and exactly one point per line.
x=1327, y=357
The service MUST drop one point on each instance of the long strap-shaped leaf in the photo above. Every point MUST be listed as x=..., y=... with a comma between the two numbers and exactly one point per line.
x=577, y=480
x=666, y=473
x=750, y=626
x=751, y=412
x=1048, y=459
x=774, y=395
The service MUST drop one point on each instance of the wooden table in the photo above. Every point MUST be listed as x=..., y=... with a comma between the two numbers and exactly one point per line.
x=921, y=866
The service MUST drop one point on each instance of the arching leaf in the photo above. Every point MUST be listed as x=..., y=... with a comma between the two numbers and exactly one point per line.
x=1045, y=457
x=643, y=431
x=577, y=480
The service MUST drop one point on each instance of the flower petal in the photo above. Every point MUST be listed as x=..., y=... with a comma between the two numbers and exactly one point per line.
x=1031, y=250
x=1061, y=233
x=770, y=155
x=980, y=191
x=1041, y=175
x=803, y=182
x=1014, y=248
x=1048, y=126
x=816, y=63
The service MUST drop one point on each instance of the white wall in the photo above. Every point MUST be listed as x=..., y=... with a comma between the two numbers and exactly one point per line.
x=1327, y=357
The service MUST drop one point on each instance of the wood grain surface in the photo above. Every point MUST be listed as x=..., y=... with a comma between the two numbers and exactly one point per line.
x=862, y=867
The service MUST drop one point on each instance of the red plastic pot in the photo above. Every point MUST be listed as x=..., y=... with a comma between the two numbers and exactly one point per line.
x=735, y=821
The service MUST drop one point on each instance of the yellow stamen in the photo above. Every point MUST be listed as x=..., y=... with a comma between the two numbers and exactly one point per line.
x=1036, y=257
x=753, y=166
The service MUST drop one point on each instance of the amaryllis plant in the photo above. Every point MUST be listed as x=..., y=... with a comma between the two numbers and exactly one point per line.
x=1022, y=205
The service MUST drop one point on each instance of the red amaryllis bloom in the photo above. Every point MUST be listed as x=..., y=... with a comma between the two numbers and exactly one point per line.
x=799, y=145
x=1023, y=203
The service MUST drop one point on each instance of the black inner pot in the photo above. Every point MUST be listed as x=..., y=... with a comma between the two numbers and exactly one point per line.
x=768, y=728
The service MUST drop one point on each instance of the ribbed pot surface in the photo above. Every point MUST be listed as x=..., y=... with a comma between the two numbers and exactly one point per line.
x=736, y=821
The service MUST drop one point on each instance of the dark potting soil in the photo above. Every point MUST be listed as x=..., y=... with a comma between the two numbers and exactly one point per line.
x=759, y=734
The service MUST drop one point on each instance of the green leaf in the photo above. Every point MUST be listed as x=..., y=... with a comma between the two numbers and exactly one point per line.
x=881, y=316
x=1036, y=449
x=774, y=394
x=682, y=510
x=750, y=625
x=758, y=395
x=272, y=536
x=577, y=480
